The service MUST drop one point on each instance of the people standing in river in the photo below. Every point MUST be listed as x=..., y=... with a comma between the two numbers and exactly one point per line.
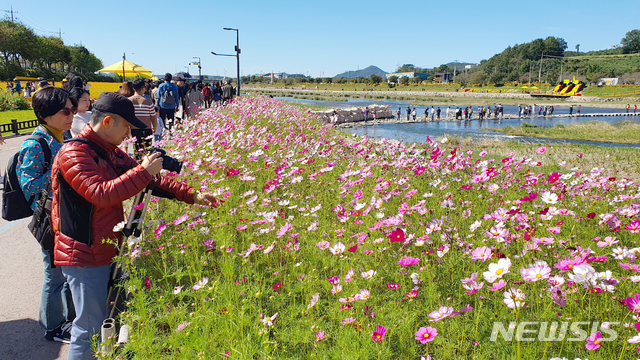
x=366, y=114
x=426, y=114
x=579, y=109
x=551, y=110
x=635, y=107
x=408, y=112
x=399, y=112
x=448, y=110
x=414, y=113
x=627, y=108
x=466, y=116
x=570, y=110
x=433, y=112
x=470, y=112
x=438, y=113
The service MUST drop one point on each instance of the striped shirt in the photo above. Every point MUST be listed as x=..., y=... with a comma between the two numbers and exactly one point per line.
x=144, y=110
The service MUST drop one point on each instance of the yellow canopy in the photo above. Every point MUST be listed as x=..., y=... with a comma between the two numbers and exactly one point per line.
x=534, y=87
x=124, y=68
x=525, y=87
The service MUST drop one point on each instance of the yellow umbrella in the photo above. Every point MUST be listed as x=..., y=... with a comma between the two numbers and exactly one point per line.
x=525, y=87
x=534, y=87
x=125, y=67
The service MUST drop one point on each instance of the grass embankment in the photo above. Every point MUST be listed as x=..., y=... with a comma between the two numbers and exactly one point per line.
x=321, y=242
x=624, y=132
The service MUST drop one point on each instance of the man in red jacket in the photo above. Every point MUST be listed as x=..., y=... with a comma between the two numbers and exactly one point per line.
x=89, y=182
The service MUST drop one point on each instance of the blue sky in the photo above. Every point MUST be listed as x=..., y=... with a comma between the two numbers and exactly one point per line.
x=320, y=38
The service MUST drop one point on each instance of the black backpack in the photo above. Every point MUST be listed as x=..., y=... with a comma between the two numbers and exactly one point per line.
x=168, y=97
x=14, y=204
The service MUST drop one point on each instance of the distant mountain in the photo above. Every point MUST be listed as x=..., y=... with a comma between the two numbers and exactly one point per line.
x=365, y=73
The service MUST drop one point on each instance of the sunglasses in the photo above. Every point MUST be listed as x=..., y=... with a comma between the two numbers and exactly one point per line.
x=69, y=111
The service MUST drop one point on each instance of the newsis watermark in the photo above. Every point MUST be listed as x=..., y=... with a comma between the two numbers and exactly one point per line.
x=552, y=330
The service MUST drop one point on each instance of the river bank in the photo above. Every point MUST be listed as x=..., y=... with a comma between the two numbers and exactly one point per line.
x=446, y=98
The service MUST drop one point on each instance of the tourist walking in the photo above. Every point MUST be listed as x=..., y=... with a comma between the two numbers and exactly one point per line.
x=635, y=107
x=448, y=110
x=579, y=109
x=627, y=108
x=399, y=113
x=408, y=112
x=414, y=113
x=194, y=101
x=438, y=113
x=227, y=92
x=426, y=114
x=366, y=114
x=570, y=110
x=168, y=101
x=433, y=111
x=217, y=93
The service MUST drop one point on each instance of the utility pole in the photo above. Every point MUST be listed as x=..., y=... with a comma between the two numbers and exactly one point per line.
x=530, y=65
x=59, y=33
x=540, y=72
x=454, y=71
x=11, y=12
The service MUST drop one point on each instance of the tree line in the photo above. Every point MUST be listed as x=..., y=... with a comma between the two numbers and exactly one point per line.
x=24, y=53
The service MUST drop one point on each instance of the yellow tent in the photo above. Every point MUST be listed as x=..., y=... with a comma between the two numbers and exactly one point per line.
x=525, y=87
x=534, y=87
x=124, y=68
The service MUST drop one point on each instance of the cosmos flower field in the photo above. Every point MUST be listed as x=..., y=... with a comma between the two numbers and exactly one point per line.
x=337, y=247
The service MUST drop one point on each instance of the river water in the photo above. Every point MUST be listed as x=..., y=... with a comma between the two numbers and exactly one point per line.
x=418, y=132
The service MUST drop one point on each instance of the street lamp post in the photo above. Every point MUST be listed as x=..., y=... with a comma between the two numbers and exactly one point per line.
x=237, y=55
x=199, y=67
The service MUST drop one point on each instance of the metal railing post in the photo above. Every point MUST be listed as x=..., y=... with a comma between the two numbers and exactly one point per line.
x=14, y=126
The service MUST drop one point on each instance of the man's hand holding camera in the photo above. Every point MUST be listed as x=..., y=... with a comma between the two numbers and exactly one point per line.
x=153, y=164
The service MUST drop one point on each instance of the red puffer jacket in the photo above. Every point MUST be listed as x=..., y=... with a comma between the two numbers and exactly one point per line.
x=87, y=199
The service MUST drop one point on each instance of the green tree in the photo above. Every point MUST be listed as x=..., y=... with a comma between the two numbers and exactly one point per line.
x=406, y=68
x=83, y=61
x=52, y=50
x=328, y=80
x=404, y=80
x=631, y=42
x=17, y=42
x=393, y=79
x=376, y=79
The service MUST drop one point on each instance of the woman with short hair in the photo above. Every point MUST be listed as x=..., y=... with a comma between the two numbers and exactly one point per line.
x=54, y=109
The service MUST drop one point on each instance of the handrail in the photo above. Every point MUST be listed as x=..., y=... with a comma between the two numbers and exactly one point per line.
x=15, y=126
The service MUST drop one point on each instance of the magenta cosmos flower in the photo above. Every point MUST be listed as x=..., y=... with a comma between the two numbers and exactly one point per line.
x=594, y=341
x=634, y=303
x=408, y=261
x=542, y=149
x=379, y=334
x=426, y=334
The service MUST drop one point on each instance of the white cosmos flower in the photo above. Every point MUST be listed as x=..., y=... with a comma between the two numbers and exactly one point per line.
x=337, y=248
x=497, y=270
x=549, y=197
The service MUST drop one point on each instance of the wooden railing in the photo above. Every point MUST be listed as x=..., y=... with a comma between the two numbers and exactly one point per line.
x=15, y=126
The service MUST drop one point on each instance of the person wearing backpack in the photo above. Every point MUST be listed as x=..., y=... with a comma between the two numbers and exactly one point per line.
x=168, y=100
x=54, y=109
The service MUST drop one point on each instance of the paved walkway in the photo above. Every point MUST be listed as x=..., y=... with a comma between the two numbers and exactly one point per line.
x=20, y=287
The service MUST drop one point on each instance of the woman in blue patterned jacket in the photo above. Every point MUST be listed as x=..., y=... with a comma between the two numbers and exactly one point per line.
x=54, y=109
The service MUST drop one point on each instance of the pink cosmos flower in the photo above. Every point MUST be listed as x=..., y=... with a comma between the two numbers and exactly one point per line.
x=419, y=170
x=632, y=267
x=426, y=334
x=634, y=303
x=396, y=235
x=181, y=219
x=147, y=283
x=323, y=245
x=319, y=336
x=498, y=285
x=182, y=326
x=482, y=253
x=358, y=194
x=408, y=261
x=200, y=284
x=593, y=341
x=483, y=153
x=393, y=286
x=542, y=149
x=379, y=334
x=608, y=241
x=554, y=230
x=336, y=289
x=442, y=313
x=333, y=280
x=530, y=197
x=160, y=229
x=633, y=227
x=535, y=273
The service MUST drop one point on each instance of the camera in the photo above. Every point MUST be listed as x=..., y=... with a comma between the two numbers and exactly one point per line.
x=168, y=163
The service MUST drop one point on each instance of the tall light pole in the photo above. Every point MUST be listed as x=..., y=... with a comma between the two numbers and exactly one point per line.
x=199, y=67
x=237, y=55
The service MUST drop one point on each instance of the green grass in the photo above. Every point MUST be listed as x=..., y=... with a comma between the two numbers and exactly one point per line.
x=624, y=132
x=20, y=115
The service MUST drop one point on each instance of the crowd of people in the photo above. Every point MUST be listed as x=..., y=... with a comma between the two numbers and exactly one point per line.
x=85, y=181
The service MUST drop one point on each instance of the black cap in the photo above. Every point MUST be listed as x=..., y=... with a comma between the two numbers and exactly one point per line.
x=114, y=103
